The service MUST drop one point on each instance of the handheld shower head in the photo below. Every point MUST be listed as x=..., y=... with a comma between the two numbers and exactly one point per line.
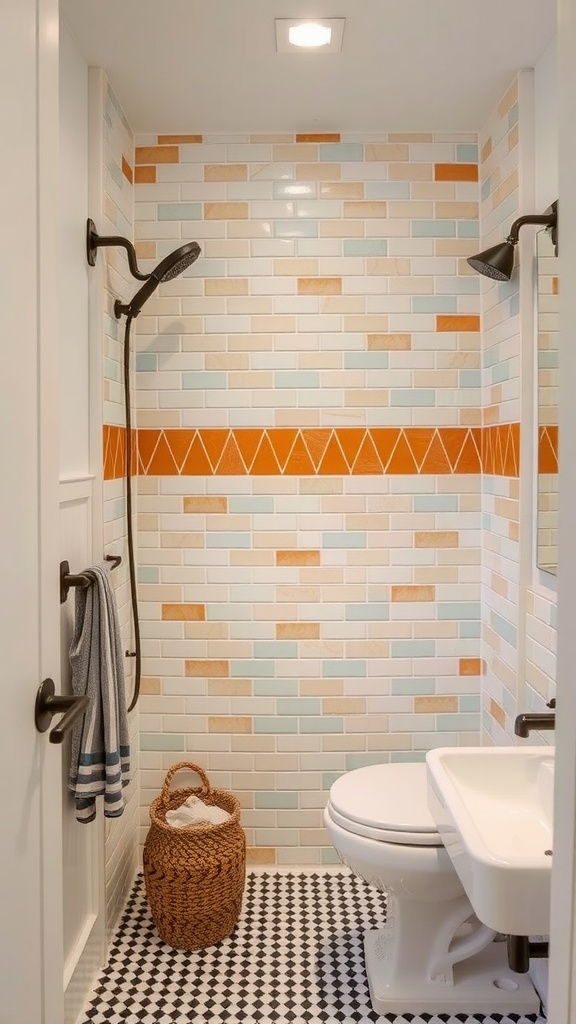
x=168, y=268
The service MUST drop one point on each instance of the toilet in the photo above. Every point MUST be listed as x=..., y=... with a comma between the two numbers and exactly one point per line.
x=433, y=954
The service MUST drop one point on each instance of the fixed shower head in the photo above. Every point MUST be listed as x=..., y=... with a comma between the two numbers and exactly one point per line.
x=168, y=268
x=498, y=261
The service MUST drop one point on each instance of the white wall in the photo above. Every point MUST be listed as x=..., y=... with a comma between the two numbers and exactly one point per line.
x=546, y=127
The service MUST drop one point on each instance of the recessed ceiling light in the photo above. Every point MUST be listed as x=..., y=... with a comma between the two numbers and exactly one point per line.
x=323, y=35
x=310, y=33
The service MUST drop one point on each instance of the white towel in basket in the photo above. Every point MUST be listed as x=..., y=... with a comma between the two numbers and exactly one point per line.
x=195, y=812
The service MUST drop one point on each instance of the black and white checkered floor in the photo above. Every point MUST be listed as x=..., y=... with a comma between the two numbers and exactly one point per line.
x=296, y=957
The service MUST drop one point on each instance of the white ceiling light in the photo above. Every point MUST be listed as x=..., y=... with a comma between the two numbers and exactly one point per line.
x=323, y=36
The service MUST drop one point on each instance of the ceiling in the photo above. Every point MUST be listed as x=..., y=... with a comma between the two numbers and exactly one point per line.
x=211, y=66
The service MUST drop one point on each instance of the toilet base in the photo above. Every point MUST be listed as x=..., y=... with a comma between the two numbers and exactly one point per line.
x=482, y=984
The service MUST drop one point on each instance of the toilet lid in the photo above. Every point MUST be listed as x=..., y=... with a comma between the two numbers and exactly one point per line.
x=386, y=797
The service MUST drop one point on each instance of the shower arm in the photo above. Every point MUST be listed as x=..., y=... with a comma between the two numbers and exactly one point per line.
x=549, y=219
x=94, y=241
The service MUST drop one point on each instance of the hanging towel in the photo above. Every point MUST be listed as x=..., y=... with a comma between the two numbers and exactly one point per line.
x=100, y=756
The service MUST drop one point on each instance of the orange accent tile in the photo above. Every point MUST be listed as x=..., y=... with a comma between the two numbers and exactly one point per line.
x=281, y=440
x=212, y=505
x=162, y=462
x=147, y=442
x=470, y=666
x=497, y=712
x=385, y=440
x=333, y=462
x=435, y=705
x=469, y=459
x=306, y=556
x=402, y=460
x=248, y=440
x=196, y=462
x=367, y=460
x=179, y=442
x=214, y=441
x=456, y=172
x=350, y=439
x=297, y=630
x=206, y=667
x=548, y=450
x=229, y=724
x=457, y=324
x=145, y=175
x=167, y=140
x=436, y=460
x=127, y=170
x=231, y=462
x=436, y=539
x=316, y=442
x=420, y=592
x=299, y=462
x=157, y=155
x=319, y=286
x=318, y=137
x=265, y=462
x=554, y=286
x=419, y=440
x=183, y=613
x=389, y=342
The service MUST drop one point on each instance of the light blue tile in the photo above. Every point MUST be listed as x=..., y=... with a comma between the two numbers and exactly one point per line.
x=387, y=189
x=433, y=229
x=509, y=703
x=321, y=724
x=297, y=228
x=513, y=116
x=115, y=173
x=485, y=189
x=275, y=724
x=299, y=706
x=365, y=247
x=458, y=610
x=434, y=304
x=344, y=540
x=275, y=649
x=341, y=151
x=470, y=378
x=250, y=669
x=148, y=573
x=466, y=153
x=284, y=801
x=296, y=379
x=365, y=612
x=413, y=397
x=413, y=648
x=110, y=327
x=366, y=360
x=329, y=778
x=469, y=702
x=501, y=372
x=457, y=723
x=275, y=688
x=504, y=628
x=469, y=630
x=359, y=760
x=146, y=362
x=179, y=211
x=468, y=229
x=435, y=502
x=515, y=304
x=412, y=687
x=548, y=360
x=228, y=540
x=554, y=616
x=343, y=667
x=161, y=741
x=407, y=756
x=111, y=369
x=329, y=856
x=250, y=503
x=205, y=380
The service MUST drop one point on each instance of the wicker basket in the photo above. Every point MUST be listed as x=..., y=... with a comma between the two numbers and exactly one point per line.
x=194, y=875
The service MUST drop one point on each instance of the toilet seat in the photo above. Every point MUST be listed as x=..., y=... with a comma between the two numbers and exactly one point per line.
x=385, y=802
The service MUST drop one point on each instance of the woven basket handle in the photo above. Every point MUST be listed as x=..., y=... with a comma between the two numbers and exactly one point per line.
x=178, y=767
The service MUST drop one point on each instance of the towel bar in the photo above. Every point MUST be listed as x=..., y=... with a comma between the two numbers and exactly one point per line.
x=68, y=579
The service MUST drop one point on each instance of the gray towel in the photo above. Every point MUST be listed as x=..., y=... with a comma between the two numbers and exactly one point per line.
x=100, y=756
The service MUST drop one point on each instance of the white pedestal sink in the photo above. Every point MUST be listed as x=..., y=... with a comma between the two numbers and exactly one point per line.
x=493, y=810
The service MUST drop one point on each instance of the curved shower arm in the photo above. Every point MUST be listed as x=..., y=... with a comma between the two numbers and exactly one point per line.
x=94, y=241
x=548, y=219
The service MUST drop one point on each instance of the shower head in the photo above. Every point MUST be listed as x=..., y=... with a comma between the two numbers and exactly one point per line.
x=498, y=261
x=168, y=268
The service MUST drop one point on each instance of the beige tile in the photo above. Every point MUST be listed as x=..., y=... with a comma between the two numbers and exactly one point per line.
x=294, y=152
x=260, y=855
x=386, y=151
x=466, y=211
x=344, y=706
x=205, y=505
x=227, y=361
x=206, y=630
x=226, y=172
x=296, y=268
x=321, y=687
x=413, y=593
x=319, y=285
x=410, y=172
x=436, y=539
x=229, y=688
x=508, y=100
x=387, y=266
x=229, y=724
x=183, y=612
x=297, y=630
x=149, y=685
x=206, y=667
x=226, y=286
x=341, y=229
x=342, y=190
x=181, y=540
x=226, y=211
x=365, y=208
x=318, y=172
x=435, y=705
x=389, y=342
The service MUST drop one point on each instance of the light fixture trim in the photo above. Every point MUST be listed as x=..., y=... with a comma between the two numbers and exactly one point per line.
x=284, y=44
x=309, y=34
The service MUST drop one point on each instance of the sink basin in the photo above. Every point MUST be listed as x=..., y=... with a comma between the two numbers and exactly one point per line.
x=493, y=809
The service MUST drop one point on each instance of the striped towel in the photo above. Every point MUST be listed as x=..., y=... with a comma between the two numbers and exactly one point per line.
x=100, y=755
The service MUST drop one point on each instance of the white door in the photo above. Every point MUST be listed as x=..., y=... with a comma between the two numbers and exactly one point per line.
x=31, y=961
